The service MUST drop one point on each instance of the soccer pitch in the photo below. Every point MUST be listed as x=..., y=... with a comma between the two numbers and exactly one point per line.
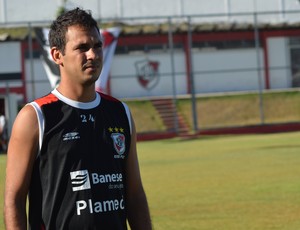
x=219, y=182
x=223, y=183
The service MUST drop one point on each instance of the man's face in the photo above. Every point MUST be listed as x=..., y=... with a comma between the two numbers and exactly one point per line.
x=83, y=57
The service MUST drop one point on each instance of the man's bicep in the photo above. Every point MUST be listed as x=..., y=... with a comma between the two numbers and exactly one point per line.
x=22, y=150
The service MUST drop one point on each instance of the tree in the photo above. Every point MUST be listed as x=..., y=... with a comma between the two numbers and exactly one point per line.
x=62, y=9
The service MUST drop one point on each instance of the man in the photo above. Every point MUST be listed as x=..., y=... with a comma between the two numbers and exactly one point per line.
x=3, y=132
x=74, y=150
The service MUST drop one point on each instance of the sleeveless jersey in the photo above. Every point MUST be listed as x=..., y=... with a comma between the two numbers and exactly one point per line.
x=78, y=179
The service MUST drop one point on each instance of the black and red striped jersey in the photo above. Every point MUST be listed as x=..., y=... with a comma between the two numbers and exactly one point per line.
x=79, y=178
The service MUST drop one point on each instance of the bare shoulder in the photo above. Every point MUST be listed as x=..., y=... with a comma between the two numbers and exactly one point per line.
x=26, y=119
x=25, y=129
x=27, y=112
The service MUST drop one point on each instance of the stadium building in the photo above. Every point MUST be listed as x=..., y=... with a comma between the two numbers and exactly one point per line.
x=174, y=50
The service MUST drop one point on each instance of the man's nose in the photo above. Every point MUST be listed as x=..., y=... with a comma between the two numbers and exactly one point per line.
x=94, y=53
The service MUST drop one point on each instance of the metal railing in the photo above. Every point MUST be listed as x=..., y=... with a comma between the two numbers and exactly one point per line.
x=196, y=104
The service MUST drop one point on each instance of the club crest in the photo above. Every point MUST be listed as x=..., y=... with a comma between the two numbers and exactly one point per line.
x=118, y=142
x=147, y=73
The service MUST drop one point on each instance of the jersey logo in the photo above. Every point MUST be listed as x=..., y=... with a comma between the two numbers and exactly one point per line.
x=80, y=180
x=119, y=144
x=71, y=136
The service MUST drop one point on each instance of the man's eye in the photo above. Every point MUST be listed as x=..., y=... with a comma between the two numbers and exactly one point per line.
x=83, y=48
x=98, y=46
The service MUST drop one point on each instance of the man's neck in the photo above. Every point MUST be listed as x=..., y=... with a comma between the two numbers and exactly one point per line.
x=80, y=94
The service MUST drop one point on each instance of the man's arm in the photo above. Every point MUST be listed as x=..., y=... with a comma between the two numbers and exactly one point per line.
x=23, y=146
x=137, y=205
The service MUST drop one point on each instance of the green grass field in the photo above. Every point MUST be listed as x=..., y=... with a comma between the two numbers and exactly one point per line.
x=220, y=182
x=224, y=110
x=243, y=109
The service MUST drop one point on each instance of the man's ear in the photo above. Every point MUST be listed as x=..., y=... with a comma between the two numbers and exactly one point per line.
x=56, y=55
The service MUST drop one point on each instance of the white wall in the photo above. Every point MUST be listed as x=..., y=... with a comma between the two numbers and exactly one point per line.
x=35, y=72
x=10, y=57
x=16, y=11
x=216, y=71
x=279, y=60
x=10, y=62
x=124, y=82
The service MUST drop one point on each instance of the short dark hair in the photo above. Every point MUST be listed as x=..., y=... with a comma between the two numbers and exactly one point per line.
x=59, y=27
